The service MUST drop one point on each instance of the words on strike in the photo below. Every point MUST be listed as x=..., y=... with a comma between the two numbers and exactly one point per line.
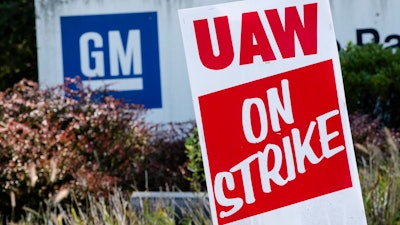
x=294, y=159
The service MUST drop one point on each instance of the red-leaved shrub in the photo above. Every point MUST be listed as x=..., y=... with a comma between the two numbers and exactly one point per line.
x=82, y=140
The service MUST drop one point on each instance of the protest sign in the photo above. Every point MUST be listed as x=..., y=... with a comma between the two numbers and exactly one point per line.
x=270, y=107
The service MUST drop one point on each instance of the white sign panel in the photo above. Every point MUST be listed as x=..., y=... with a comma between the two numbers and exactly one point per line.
x=270, y=107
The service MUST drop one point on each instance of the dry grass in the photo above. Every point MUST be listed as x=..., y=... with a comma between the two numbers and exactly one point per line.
x=380, y=181
x=114, y=210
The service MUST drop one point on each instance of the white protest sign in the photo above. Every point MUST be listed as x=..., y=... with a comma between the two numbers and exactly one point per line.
x=270, y=107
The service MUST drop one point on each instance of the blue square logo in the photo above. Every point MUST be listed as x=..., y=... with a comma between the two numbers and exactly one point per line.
x=118, y=50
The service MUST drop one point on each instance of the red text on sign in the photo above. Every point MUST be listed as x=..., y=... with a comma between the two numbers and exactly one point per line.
x=254, y=40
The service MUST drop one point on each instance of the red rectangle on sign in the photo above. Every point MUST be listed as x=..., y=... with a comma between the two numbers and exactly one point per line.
x=274, y=142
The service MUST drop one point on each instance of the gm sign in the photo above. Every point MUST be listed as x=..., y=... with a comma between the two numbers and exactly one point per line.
x=118, y=50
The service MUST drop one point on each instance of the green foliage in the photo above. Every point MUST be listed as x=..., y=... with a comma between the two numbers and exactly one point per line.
x=195, y=161
x=18, y=42
x=371, y=75
x=162, y=215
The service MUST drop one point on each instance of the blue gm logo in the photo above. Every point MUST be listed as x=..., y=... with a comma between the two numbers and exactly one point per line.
x=119, y=50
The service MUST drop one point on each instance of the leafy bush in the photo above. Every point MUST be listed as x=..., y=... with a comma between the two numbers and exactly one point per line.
x=195, y=162
x=82, y=140
x=371, y=76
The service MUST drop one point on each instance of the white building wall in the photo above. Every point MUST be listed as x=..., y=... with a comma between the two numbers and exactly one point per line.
x=371, y=18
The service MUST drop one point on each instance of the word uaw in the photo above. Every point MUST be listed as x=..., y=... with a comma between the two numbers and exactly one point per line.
x=254, y=40
x=294, y=160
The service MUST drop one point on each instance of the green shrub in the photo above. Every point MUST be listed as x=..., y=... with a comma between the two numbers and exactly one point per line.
x=195, y=162
x=371, y=76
